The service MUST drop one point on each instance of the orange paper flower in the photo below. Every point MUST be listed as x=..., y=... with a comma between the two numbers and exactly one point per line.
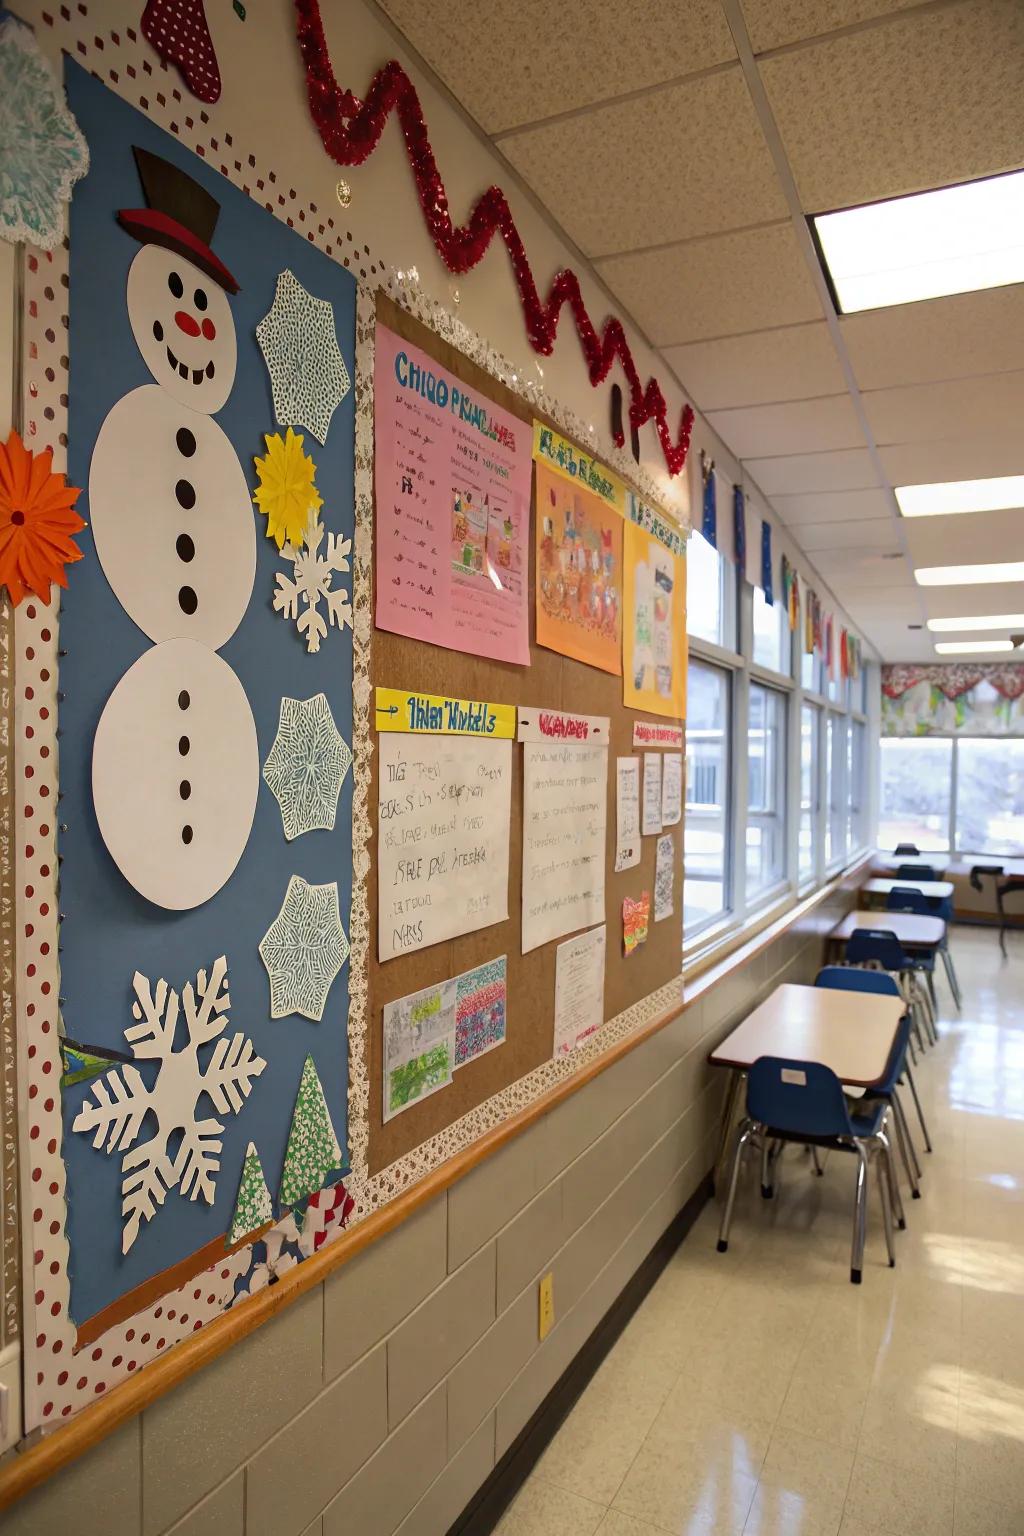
x=36, y=522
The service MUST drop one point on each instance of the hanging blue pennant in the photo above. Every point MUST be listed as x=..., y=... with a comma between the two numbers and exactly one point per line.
x=766, y=561
x=709, y=519
x=739, y=529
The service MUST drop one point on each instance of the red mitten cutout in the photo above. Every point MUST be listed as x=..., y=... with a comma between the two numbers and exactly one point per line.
x=178, y=31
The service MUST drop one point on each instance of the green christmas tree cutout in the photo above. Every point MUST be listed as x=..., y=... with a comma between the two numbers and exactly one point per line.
x=254, y=1206
x=313, y=1149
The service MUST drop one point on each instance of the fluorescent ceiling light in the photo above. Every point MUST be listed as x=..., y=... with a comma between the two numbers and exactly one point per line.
x=986, y=621
x=969, y=575
x=953, y=240
x=950, y=496
x=962, y=647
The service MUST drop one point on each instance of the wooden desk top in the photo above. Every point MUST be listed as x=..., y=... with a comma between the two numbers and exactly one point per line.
x=936, y=888
x=889, y=863
x=909, y=927
x=851, y=1032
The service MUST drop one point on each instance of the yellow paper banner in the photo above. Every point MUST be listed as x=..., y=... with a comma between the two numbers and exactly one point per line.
x=576, y=465
x=430, y=714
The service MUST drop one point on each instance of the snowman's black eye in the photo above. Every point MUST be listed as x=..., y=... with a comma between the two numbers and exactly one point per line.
x=176, y=285
x=199, y=299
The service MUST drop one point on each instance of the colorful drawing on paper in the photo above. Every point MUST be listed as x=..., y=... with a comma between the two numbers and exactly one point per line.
x=419, y=1045
x=452, y=478
x=636, y=915
x=481, y=1004
x=578, y=535
x=654, y=617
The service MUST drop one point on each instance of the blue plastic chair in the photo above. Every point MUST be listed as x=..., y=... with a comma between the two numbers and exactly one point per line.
x=907, y=898
x=881, y=946
x=910, y=849
x=803, y=1101
x=845, y=978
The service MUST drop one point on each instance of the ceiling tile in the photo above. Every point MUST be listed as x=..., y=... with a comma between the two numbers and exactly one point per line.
x=771, y=23
x=984, y=408
x=716, y=287
x=950, y=338
x=874, y=537
x=886, y=602
x=516, y=61
x=710, y=170
x=971, y=539
x=793, y=363
x=895, y=642
x=951, y=458
x=849, y=469
x=834, y=507
x=957, y=602
x=926, y=100
x=851, y=568
x=802, y=426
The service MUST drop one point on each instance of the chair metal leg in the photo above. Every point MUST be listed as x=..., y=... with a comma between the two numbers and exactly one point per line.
x=766, y=1169
x=951, y=976
x=728, y=1110
x=819, y=1170
x=905, y=1142
x=743, y=1136
x=929, y=977
x=913, y=1053
x=917, y=1105
x=894, y=1186
x=860, y=1216
x=884, y=1191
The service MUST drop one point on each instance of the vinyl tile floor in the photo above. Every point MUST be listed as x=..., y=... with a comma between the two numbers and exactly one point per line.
x=759, y=1393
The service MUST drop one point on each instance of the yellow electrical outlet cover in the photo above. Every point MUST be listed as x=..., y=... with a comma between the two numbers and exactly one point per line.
x=547, y=1305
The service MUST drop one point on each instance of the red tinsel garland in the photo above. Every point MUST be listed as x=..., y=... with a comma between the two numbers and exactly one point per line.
x=351, y=129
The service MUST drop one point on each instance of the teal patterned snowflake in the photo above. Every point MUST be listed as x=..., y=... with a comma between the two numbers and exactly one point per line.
x=42, y=150
x=307, y=765
x=304, y=949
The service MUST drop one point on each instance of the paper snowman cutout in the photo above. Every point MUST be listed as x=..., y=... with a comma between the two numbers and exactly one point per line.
x=175, y=757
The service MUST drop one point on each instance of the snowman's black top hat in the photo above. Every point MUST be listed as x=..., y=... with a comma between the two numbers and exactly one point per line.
x=181, y=215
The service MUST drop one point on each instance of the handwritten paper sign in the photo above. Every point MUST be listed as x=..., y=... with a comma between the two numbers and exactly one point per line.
x=664, y=875
x=399, y=710
x=655, y=733
x=444, y=808
x=564, y=815
x=419, y=1046
x=635, y=922
x=556, y=725
x=579, y=989
x=452, y=477
x=652, y=792
x=627, y=813
x=672, y=789
x=654, y=611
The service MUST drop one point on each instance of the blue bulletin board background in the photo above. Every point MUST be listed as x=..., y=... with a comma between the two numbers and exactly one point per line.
x=108, y=931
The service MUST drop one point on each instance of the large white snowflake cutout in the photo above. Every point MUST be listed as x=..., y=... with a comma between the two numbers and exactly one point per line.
x=304, y=949
x=314, y=574
x=122, y=1100
x=308, y=376
x=42, y=149
x=307, y=765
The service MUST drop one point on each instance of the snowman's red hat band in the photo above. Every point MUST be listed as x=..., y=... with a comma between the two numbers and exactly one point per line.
x=155, y=228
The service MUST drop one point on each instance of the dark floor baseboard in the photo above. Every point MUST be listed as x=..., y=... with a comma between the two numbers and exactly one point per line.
x=491, y=1500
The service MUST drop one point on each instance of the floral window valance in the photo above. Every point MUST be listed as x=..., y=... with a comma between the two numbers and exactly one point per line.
x=956, y=699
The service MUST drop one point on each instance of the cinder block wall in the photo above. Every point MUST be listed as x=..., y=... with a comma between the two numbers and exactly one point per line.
x=378, y=1403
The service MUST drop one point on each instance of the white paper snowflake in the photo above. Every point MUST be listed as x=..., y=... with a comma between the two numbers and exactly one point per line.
x=308, y=376
x=42, y=149
x=314, y=573
x=122, y=1100
x=304, y=949
x=306, y=766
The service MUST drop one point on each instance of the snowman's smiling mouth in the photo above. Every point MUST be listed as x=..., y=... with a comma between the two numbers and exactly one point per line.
x=182, y=369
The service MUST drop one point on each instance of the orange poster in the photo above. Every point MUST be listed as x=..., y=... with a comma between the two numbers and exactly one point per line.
x=579, y=568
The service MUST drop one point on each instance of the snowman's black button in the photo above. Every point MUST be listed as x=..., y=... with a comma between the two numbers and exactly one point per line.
x=186, y=835
x=186, y=494
x=158, y=331
x=184, y=789
x=185, y=439
x=183, y=746
x=187, y=600
x=183, y=699
x=185, y=547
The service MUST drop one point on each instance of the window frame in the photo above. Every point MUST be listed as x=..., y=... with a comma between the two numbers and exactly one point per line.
x=955, y=848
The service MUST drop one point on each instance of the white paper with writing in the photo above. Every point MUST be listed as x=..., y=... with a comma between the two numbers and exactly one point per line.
x=672, y=789
x=565, y=800
x=627, y=813
x=579, y=989
x=419, y=1046
x=664, y=875
x=444, y=809
x=652, y=793
x=657, y=733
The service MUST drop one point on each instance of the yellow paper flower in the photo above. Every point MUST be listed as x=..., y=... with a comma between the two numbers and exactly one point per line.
x=286, y=494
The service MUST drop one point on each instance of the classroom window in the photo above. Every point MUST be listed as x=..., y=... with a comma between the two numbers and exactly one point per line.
x=766, y=790
x=706, y=831
x=855, y=739
x=835, y=779
x=810, y=671
x=989, y=795
x=810, y=803
x=709, y=611
x=916, y=786
x=771, y=634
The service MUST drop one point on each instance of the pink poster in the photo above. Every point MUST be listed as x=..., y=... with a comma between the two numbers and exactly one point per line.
x=452, y=475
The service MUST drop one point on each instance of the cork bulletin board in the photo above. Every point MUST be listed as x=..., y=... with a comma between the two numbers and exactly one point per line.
x=551, y=681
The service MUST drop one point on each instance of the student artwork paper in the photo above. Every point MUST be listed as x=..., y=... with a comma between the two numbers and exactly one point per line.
x=579, y=990
x=652, y=793
x=452, y=477
x=664, y=874
x=444, y=809
x=636, y=915
x=481, y=1005
x=654, y=612
x=627, y=813
x=419, y=1046
x=565, y=798
x=672, y=789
